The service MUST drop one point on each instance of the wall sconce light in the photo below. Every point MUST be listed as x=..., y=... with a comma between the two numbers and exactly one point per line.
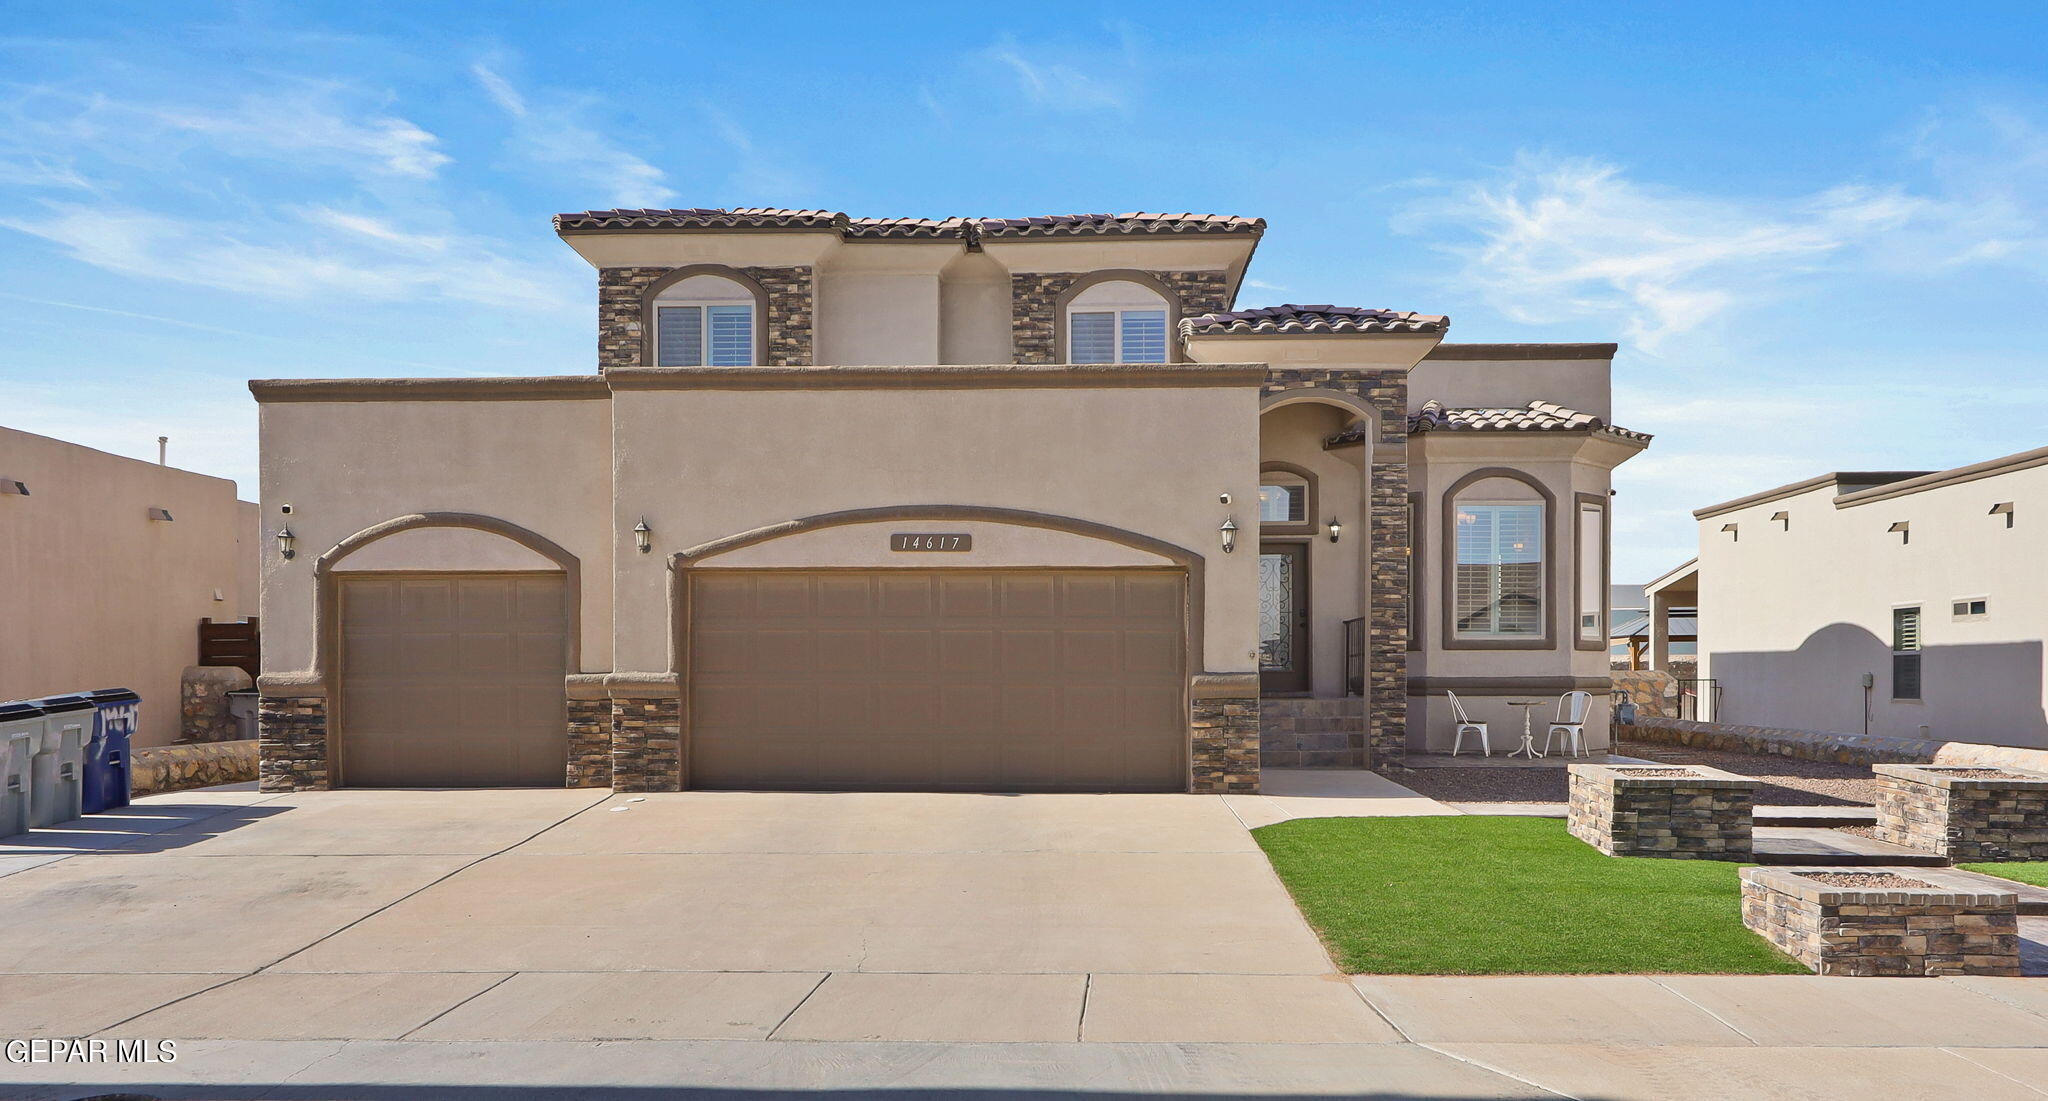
x=641, y=534
x=163, y=514
x=285, y=539
x=1223, y=498
x=1336, y=529
x=11, y=488
x=1229, y=531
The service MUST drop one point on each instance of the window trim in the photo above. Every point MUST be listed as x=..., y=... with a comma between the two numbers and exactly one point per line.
x=1418, y=530
x=1447, y=557
x=1310, y=525
x=1606, y=615
x=650, y=335
x=1062, y=304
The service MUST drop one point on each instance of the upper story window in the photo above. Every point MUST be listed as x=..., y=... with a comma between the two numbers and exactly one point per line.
x=704, y=321
x=1497, y=576
x=1116, y=322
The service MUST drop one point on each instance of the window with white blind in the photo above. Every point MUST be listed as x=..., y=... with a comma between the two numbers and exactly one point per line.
x=1117, y=322
x=1592, y=554
x=704, y=321
x=1905, y=653
x=1497, y=570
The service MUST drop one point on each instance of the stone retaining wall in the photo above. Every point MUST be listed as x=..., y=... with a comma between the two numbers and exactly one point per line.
x=1646, y=688
x=1822, y=745
x=1946, y=809
x=163, y=768
x=1683, y=812
x=1935, y=929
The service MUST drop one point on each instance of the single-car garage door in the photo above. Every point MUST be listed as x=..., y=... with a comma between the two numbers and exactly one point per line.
x=938, y=680
x=452, y=680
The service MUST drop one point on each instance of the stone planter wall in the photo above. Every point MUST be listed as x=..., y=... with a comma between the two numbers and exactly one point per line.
x=1687, y=812
x=163, y=768
x=1964, y=813
x=1865, y=926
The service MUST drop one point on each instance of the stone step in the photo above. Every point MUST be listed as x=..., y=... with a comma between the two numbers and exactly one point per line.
x=1833, y=848
x=1272, y=740
x=1816, y=816
x=1316, y=724
x=1296, y=758
x=1350, y=705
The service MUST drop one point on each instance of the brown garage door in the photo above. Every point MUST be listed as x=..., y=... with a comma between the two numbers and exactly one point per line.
x=938, y=680
x=452, y=680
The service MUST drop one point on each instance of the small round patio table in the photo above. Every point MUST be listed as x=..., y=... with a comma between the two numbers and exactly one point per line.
x=1528, y=736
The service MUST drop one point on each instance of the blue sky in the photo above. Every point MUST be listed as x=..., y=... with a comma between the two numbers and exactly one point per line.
x=1821, y=235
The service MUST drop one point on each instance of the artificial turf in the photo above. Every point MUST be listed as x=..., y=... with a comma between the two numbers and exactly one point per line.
x=1490, y=895
x=2026, y=871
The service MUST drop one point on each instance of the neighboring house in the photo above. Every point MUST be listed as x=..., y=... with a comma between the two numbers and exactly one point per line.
x=1630, y=631
x=107, y=565
x=1048, y=513
x=1898, y=603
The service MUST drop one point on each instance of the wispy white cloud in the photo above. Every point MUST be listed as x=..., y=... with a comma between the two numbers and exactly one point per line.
x=1052, y=79
x=550, y=130
x=301, y=125
x=1552, y=239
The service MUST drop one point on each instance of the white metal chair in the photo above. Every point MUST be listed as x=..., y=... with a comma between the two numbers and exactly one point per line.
x=1465, y=724
x=1571, y=722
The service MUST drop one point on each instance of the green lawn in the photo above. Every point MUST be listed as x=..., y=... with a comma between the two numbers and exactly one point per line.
x=1485, y=895
x=2026, y=871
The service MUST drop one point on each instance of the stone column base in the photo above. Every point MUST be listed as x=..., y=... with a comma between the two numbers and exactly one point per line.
x=1225, y=732
x=590, y=743
x=291, y=735
x=647, y=743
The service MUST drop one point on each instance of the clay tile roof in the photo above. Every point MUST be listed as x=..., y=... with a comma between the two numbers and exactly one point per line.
x=1537, y=416
x=1140, y=222
x=1292, y=318
x=744, y=217
x=761, y=217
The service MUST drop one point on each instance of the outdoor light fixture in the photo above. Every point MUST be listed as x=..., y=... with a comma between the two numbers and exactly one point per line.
x=11, y=488
x=1336, y=528
x=1229, y=530
x=285, y=539
x=163, y=514
x=641, y=532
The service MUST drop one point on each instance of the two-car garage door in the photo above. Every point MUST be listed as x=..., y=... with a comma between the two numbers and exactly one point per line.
x=938, y=680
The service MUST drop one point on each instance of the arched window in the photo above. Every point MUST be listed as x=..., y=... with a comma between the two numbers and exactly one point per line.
x=1498, y=557
x=1116, y=321
x=704, y=321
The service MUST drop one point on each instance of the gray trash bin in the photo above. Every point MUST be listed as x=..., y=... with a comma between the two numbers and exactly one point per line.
x=242, y=709
x=21, y=731
x=56, y=785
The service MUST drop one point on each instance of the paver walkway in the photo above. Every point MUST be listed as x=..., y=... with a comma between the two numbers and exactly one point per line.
x=517, y=944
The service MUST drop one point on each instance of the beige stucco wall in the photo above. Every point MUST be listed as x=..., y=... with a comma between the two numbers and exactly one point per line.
x=1566, y=465
x=346, y=466
x=1791, y=620
x=703, y=465
x=867, y=545
x=1580, y=384
x=1295, y=434
x=96, y=595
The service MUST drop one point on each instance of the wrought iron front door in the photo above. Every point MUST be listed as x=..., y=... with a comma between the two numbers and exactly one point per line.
x=1283, y=618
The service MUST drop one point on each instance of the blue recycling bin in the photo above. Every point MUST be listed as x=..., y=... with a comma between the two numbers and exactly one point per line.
x=107, y=765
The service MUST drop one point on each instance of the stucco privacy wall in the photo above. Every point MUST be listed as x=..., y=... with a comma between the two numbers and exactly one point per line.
x=1150, y=460
x=95, y=594
x=344, y=466
x=1794, y=612
x=1567, y=467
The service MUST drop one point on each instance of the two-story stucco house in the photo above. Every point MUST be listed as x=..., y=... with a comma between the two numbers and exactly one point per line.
x=963, y=504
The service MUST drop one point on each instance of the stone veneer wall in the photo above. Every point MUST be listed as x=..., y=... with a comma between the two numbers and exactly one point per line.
x=1645, y=688
x=163, y=768
x=621, y=294
x=1964, y=818
x=1034, y=302
x=1389, y=543
x=1806, y=745
x=292, y=742
x=1226, y=745
x=1310, y=733
x=647, y=743
x=590, y=743
x=1705, y=814
x=1898, y=931
x=203, y=713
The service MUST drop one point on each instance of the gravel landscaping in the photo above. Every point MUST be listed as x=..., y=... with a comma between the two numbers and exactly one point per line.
x=1877, y=881
x=1785, y=781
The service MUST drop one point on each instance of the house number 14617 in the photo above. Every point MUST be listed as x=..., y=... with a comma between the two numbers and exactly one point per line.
x=925, y=541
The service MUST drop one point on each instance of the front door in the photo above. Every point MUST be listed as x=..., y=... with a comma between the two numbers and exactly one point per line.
x=1283, y=618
